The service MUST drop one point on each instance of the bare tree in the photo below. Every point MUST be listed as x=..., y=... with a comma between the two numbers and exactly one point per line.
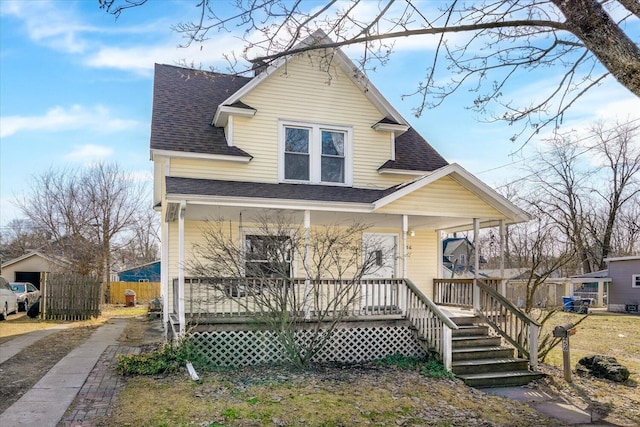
x=620, y=150
x=588, y=187
x=257, y=275
x=141, y=244
x=19, y=237
x=540, y=248
x=559, y=191
x=480, y=45
x=85, y=211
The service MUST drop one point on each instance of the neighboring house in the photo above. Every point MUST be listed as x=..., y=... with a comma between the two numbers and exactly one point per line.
x=593, y=286
x=311, y=136
x=31, y=266
x=149, y=272
x=458, y=253
x=624, y=290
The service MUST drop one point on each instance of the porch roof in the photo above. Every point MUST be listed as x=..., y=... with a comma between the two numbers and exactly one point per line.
x=177, y=186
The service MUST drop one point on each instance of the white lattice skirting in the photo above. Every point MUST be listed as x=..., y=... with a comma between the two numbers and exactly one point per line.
x=349, y=345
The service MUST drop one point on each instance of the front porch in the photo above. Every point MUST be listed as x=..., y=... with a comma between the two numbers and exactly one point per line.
x=377, y=317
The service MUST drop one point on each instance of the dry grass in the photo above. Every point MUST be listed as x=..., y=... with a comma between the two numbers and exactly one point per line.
x=602, y=333
x=20, y=324
x=323, y=397
x=607, y=334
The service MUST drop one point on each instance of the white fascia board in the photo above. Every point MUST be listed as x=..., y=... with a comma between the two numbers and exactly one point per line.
x=200, y=156
x=391, y=171
x=248, y=202
x=390, y=127
x=623, y=258
x=224, y=111
x=468, y=181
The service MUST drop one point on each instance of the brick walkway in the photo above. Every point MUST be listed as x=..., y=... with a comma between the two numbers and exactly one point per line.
x=96, y=398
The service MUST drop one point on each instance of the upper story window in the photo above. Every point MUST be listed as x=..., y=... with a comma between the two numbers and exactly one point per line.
x=635, y=280
x=316, y=154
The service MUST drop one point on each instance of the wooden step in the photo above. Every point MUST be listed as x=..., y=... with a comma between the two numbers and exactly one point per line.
x=475, y=341
x=470, y=330
x=501, y=379
x=491, y=352
x=479, y=366
x=466, y=320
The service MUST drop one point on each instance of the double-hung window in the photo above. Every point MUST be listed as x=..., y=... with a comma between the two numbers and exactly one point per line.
x=267, y=256
x=315, y=154
x=635, y=280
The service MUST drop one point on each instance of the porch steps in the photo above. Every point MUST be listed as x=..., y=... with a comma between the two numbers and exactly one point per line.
x=481, y=360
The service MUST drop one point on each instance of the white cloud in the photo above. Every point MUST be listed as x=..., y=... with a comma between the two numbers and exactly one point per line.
x=50, y=24
x=97, y=119
x=89, y=153
x=140, y=58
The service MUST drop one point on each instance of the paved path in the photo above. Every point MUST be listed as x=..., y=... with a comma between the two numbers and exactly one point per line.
x=45, y=404
x=549, y=405
x=16, y=345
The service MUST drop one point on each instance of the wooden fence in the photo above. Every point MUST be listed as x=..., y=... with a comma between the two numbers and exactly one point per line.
x=145, y=291
x=70, y=297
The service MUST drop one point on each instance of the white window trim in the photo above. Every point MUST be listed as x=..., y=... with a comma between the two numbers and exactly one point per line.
x=315, y=152
x=635, y=281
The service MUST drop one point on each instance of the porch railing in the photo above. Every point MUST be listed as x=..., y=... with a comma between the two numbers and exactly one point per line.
x=458, y=292
x=501, y=314
x=511, y=323
x=236, y=298
x=242, y=297
x=432, y=325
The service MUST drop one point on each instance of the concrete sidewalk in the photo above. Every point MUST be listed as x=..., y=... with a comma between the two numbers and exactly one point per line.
x=549, y=405
x=46, y=402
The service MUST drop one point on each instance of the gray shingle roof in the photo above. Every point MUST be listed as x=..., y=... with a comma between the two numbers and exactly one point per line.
x=184, y=102
x=414, y=153
x=321, y=193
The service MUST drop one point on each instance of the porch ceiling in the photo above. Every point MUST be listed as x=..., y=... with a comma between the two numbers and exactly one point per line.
x=204, y=212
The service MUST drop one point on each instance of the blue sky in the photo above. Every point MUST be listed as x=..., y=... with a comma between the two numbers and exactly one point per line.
x=76, y=87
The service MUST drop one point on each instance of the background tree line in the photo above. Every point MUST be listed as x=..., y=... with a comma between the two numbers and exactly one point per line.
x=583, y=191
x=95, y=218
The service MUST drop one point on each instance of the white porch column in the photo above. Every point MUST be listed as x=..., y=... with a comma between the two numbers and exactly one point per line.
x=164, y=272
x=181, y=315
x=503, y=282
x=405, y=246
x=305, y=261
x=476, y=264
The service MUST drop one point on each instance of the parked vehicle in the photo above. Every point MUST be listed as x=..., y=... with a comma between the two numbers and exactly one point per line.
x=8, y=299
x=27, y=294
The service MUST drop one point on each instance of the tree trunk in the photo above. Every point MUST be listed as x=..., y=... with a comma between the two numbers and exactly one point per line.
x=589, y=22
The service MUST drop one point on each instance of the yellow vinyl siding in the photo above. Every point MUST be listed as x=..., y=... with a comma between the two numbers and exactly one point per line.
x=444, y=197
x=302, y=92
x=422, y=265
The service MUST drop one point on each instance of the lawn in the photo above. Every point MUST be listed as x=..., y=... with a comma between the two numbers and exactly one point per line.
x=381, y=395
x=608, y=334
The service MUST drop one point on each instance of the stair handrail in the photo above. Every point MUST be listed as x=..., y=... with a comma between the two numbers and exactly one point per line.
x=497, y=311
x=431, y=323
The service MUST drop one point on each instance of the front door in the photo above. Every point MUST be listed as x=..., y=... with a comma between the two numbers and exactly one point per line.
x=380, y=250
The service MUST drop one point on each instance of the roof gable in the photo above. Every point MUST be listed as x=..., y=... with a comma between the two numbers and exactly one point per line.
x=339, y=58
x=457, y=173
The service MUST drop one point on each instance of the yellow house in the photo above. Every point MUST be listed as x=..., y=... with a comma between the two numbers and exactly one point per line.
x=311, y=136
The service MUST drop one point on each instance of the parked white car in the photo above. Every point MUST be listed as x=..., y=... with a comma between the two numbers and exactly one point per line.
x=8, y=299
x=27, y=294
